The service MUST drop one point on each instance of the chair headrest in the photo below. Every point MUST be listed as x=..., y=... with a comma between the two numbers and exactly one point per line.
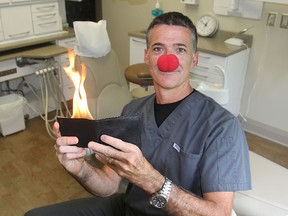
x=92, y=39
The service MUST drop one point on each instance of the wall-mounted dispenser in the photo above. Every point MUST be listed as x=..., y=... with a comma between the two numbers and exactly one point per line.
x=193, y=2
x=240, y=8
x=275, y=1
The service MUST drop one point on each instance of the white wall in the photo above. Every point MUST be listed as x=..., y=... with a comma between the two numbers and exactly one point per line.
x=265, y=101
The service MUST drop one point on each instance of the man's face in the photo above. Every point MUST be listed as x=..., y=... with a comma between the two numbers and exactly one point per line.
x=170, y=39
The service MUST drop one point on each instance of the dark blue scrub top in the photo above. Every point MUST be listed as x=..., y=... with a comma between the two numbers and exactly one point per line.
x=200, y=146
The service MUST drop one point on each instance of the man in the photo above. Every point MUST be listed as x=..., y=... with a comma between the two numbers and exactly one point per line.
x=193, y=153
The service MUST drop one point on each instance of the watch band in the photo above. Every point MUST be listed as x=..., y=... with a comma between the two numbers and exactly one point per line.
x=166, y=188
x=160, y=198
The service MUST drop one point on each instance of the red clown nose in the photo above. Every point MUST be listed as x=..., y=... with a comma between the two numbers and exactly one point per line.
x=167, y=63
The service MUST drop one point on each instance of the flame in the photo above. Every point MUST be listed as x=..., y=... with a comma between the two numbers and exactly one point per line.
x=80, y=105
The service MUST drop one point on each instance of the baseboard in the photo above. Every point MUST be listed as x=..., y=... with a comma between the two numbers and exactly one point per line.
x=266, y=131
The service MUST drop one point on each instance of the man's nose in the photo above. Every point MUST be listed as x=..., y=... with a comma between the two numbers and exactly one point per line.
x=167, y=63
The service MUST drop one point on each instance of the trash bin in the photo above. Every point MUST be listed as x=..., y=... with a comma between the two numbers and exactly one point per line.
x=11, y=114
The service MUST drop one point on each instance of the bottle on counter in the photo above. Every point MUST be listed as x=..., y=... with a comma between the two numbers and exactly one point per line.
x=157, y=11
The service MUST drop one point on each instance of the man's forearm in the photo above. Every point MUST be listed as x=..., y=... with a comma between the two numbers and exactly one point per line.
x=101, y=182
x=182, y=203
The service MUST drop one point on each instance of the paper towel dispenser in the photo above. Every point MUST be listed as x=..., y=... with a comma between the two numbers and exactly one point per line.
x=240, y=8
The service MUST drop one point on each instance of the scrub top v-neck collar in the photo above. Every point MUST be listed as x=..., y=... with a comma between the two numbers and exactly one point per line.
x=162, y=111
x=155, y=134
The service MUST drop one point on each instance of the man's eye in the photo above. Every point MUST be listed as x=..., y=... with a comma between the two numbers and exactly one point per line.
x=157, y=49
x=180, y=49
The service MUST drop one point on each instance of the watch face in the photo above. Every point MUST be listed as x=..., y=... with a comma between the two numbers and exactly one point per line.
x=158, y=201
x=207, y=25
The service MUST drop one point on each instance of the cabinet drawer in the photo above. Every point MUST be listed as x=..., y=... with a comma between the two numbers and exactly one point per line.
x=1, y=28
x=1, y=36
x=63, y=59
x=21, y=27
x=42, y=27
x=44, y=16
x=209, y=73
x=68, y=43
x=19, y=1
x=211, y=59
x=45, y=7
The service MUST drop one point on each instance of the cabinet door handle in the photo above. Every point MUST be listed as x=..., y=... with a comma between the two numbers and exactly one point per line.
x=138, y=41
x=69, y=43
x=47, y=24
x=19, y=1
x=205, y=57
x=221, y=70
x=198, y=75
x=46, y=16
x=45, y=8
x=19, y=34
x=202, y=67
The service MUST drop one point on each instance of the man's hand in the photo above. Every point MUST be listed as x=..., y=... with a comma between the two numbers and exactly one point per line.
x=71, y=157
x=127, y=161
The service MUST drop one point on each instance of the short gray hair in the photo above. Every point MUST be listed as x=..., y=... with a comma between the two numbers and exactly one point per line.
x=174, y=18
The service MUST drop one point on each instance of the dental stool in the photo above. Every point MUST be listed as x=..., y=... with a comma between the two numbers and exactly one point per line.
x=139, y=74
x=106, y=87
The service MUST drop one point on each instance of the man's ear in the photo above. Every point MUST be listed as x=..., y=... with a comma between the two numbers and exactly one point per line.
x=146, y=57
x=195, y=59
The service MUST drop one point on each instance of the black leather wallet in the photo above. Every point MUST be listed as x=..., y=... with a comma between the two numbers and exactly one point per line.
x=125, y=128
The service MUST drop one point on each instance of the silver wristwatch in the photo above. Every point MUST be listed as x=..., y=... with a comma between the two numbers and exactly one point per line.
x=160, y=198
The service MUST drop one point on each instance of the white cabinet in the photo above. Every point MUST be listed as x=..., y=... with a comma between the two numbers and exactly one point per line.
x=228, y=70
x=1, y=30
x=17, y=22
x=22, y=19
x=46, y=18
x=210, y=69
x=63, y=60
x=137, y=47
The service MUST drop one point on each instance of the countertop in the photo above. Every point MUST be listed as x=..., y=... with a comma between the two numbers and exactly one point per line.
x=213, y=45
x=42, y=46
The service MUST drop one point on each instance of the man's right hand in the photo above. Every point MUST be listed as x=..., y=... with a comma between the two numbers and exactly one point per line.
x=69, y=155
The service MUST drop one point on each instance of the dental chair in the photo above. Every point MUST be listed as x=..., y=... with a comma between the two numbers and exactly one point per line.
x=139, y=74
x=106, y=87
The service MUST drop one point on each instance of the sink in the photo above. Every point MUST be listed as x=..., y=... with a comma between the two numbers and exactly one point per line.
x=216, y=92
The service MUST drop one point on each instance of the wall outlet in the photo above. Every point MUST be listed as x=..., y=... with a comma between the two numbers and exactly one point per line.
x=271, y=19
x=284, y=21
